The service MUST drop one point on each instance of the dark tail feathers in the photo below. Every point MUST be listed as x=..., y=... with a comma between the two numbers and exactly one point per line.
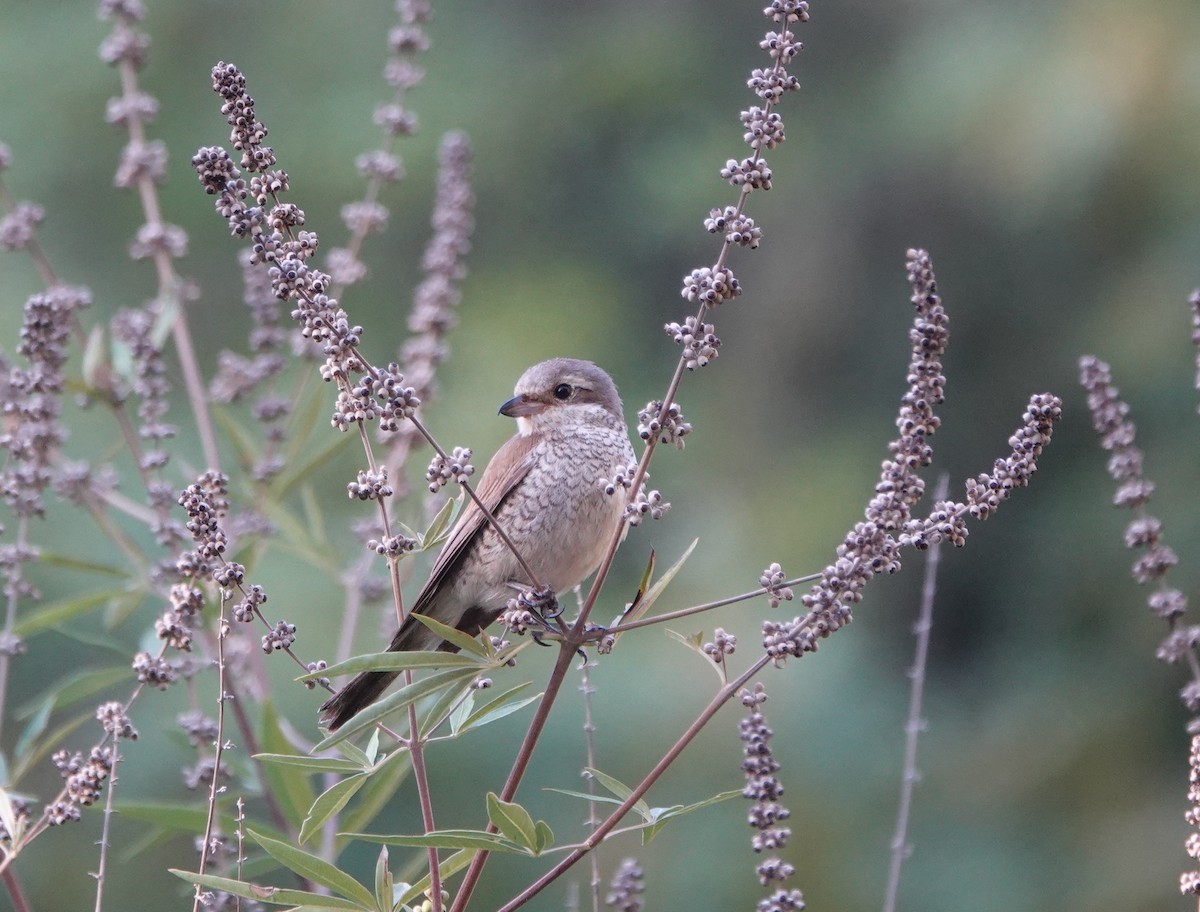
x=358, y=694
x=365, y=689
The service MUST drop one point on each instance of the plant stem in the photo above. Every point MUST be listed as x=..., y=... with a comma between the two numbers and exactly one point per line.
x=915, y=724
x=722, y=697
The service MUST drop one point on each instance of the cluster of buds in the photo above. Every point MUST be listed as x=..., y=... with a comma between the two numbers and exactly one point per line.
x=455, y=467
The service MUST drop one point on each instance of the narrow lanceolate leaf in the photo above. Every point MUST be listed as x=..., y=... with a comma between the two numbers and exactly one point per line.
x=620, y=789
x=300, y=900
x=354, y=753
x=289, y=782
x=445, y=839
x=448, y=867
x=395, y=701
x=500, y=706
x=463, y=641
x=383, y=880
x=315, y=869
x=307, y=462
x=512, y=820
x=646, y=602
x=395, y=661
x=585, y=796
x=462, y=712
x=383, y=781
x=8, y=817
x=634, y=607
x=45, y=744
x=646, y=597
x=436, y=533
x=544, y=837
x=693, y=641
x=314, y=764
x=436, y=714
x=188, y=818
x=662, y=816
x=332, y=800
x=56, y=613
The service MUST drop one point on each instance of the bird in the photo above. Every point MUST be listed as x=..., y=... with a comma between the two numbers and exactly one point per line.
x=545, y=488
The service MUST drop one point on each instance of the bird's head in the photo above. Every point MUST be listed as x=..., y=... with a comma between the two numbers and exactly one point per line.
x=563, y=393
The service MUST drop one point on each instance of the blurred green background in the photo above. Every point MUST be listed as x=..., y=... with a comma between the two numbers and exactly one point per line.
x=1045, y=153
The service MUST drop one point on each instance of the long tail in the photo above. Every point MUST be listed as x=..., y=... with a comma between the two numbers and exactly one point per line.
x=365, y=689
x=358, y=694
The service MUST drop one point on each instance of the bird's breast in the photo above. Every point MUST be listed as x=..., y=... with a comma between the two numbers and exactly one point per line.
x=559, y=516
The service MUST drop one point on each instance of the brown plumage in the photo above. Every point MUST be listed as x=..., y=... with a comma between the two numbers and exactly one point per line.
x=543, y=487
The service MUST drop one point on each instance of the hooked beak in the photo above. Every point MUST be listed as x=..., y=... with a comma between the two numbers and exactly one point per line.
x=522, y=407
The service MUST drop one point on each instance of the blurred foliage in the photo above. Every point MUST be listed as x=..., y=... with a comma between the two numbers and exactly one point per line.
x=1045, y=153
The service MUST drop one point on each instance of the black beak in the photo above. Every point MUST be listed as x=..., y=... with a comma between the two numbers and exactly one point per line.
x=522, y=407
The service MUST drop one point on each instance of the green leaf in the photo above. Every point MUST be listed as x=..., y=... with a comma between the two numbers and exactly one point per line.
x=97, y=364
x=55, y=613
x=302, y=536
x=570, y=793
x=288, y=782
x=382, y=782
x=356, y=754
x=314, y=764
x=644, y=604
x=183, y=817
x=499, y=712
x=68, y=562
x=544, y=837
x=442, y=707
x=42, y=747
x=8, y=816
x=168, y=313
x=401, y=698
x=693, y=641
x=498, y=707
x=304, y=463
x=436, y=533
x=314, y=517
x=122, y=359
x=332, y=800
x=301, y=899
x=119, y=609
x=462, y=712
x=246, y=446
x=446, y=839
x=34, y=728
x=395, y=661
x=620, y=789
x=662, y=816
x=643, y=585
x=448, y=867
x=86, y=684
x=383, y=880
x=463, y=641
x=372, y=749
x=315, y=869
x=512, y=820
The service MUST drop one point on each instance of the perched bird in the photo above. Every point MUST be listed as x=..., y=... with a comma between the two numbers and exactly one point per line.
x=543, y=487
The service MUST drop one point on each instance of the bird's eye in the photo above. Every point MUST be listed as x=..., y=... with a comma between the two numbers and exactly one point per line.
x=562, y=392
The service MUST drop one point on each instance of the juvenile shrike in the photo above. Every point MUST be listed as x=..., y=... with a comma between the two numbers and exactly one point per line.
x=543, y=487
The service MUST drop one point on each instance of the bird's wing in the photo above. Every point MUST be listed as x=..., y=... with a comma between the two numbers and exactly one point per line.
x=504, y=472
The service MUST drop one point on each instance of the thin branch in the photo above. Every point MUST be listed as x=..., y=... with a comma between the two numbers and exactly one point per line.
x=106, y=827
x=589, y=740
x=214, y=786
x=916, y=723
x=698, y=609
x=722, y=697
